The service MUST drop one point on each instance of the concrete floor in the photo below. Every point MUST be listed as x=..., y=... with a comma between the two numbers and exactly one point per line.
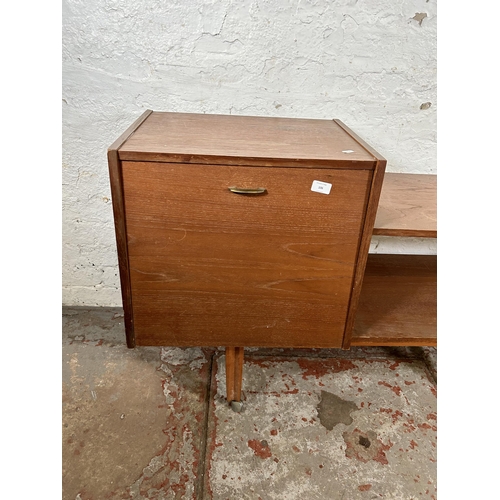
x=152, y=423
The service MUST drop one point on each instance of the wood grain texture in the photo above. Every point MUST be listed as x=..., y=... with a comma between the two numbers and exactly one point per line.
x=367, y=230
x=210, y=267
x=355, y=137
x=247, y=140
x=408, y=206
x=398, y=303
x=115, y=177
x=234, y=373
x=364, y=247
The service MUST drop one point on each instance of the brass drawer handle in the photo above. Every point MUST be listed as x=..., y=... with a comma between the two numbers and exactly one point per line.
x=239, y=190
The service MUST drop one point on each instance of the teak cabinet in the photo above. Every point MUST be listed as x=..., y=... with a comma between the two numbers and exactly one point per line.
x=242, y=231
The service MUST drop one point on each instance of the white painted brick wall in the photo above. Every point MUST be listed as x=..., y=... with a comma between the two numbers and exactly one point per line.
x=370, y=63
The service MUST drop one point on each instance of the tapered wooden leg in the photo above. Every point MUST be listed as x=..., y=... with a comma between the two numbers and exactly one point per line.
x=234, y=373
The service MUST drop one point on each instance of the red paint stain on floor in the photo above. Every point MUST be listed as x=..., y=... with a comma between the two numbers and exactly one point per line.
x=364, y=446
x=386, y=410
x=318, y=368
x=364, y=487
x=409, y=426
x=396, y=415
x=426, y=426
x=394, y=388
x=259, y=449
x=380, y=456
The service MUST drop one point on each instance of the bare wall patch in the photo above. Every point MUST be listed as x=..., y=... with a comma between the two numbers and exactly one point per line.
x=419, y=17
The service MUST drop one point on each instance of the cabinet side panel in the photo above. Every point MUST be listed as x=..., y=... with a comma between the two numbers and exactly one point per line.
x=116, y=182
x=371, y=213
x=121, y=243
x=364, y=247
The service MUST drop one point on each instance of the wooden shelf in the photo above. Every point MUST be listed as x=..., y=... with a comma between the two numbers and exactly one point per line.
x=407, y=206
x=398, y=302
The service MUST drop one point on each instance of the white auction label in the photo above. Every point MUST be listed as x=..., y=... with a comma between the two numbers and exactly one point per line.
x=321, y=187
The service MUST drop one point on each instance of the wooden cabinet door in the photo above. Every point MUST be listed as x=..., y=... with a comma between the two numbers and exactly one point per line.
x=209, y=267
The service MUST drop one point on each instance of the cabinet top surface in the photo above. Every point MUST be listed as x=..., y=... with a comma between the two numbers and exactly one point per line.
x=223, y=136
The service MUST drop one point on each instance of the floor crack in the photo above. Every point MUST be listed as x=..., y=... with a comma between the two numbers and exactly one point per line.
x=199, y=490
